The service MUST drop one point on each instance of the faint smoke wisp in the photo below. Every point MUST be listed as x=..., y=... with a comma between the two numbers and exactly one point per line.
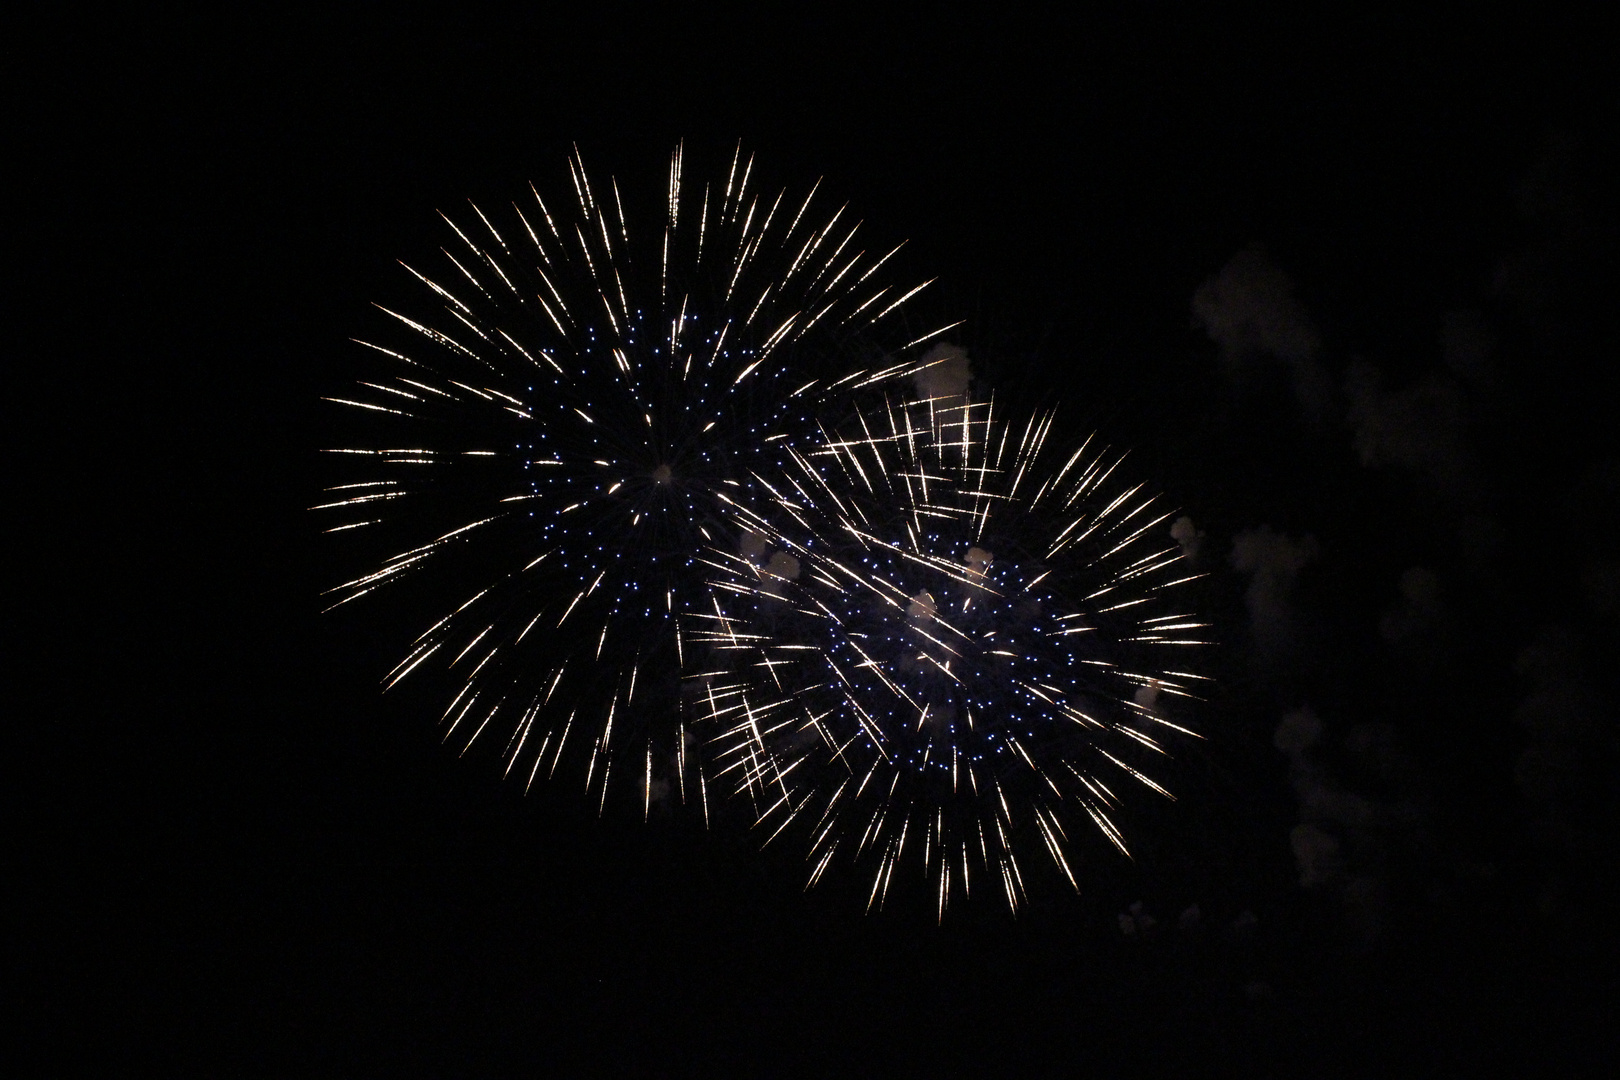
x=1250, y=311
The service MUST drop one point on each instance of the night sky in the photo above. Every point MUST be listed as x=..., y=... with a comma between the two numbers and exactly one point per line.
x=1335, y=283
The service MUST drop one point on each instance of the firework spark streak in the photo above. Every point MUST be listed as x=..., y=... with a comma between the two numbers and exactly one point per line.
x=941, y=641
x=549, y=441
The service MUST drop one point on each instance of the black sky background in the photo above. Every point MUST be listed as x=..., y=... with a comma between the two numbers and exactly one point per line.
x=238, y=858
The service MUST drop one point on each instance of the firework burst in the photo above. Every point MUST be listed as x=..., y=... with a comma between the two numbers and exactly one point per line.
x=939, y=640
x=546, y=440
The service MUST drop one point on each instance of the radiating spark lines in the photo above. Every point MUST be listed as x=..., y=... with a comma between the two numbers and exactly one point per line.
x=582, y=381
x=934, y=639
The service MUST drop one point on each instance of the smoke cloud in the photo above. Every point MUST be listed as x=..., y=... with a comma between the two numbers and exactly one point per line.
x=946, y=373
x=1249, y=310
x=1273, y=562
